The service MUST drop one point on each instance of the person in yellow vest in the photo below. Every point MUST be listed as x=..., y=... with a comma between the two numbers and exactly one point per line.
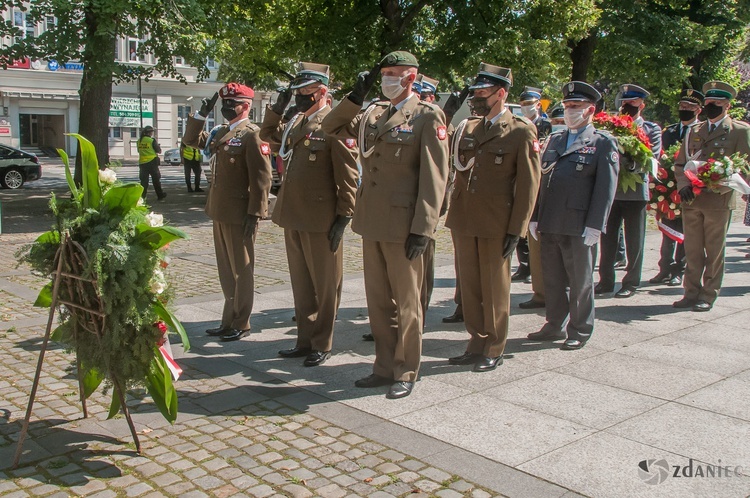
x=191, y=158
x=148, y=162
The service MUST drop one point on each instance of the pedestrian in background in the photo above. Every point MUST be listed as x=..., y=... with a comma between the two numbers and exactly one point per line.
x=148, y=162
x=191, y=158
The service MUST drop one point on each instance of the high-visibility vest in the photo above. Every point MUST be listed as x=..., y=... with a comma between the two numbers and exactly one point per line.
x=190, y=153
x=146, y=152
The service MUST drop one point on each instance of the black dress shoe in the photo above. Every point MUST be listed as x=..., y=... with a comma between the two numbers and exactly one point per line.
x=625, y=292
x=601, y=289
x=621, y=264
x=234, y=335
x=572, y=344
x=465, y=359
x=400, y=389
x=198, y=189
x=316, y=358
x=520, y=274
x=527, y=280
x=368, y=337
x=660, y=278
x=685, y=302
x=530, y=305
x=675, y=281
x=373, y=380
x=546, y=335
x=454, y=318
x=218, y=331
x=702, y=306
x=485, y=364
x=295, y=352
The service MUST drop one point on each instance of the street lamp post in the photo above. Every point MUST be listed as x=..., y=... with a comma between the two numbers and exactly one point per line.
x=140, y=101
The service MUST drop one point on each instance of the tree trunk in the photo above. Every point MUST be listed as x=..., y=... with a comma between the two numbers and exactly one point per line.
x=581, y=53
x=96, y=89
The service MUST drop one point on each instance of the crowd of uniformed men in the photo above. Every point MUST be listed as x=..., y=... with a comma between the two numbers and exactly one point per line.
x=394, y=167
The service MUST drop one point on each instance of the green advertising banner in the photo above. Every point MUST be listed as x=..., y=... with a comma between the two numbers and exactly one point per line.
x=126, y=112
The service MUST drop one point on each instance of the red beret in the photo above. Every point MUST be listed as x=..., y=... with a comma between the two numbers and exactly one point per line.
x=236, y=91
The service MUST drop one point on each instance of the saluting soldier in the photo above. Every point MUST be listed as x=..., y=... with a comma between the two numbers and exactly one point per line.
x=404, y=153
x=672, y=253
x=496, y=155
x=315, y=204
x=579, y=178
x=706, y=216
x=629, y=208
x=237, y=199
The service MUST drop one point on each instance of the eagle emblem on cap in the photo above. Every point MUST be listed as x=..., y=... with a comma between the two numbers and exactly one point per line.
x=713, y=84
x=689, y=92
x=571, y=87
x=625, y=88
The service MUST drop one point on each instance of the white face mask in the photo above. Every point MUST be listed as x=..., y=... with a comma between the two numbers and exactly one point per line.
x=529, y=111
x=391, y=86
x=574, y=118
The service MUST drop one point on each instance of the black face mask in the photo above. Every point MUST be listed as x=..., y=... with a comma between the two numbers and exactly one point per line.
x=480, y=106
x=304, y=102
x=713, y=110
x=686, y=115
x=228, y=110
x=630, y=110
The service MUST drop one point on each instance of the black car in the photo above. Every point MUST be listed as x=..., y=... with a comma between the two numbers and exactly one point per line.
x=18, y=167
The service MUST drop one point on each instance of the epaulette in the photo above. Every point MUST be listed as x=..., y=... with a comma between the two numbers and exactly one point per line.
x=604, y=133
x=381, y=103
x=523, y=119
x=470, y=118
x=432, y=106
x=740, y=124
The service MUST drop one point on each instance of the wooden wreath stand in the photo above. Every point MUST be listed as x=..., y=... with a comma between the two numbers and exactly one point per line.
x=89, y=317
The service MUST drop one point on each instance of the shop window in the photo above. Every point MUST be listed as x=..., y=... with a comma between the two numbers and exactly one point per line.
x=115, y=133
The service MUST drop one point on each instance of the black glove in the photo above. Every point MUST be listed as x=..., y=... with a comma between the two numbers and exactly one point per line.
x=687, y=194
x=365, y=81
x=290, y=112
x=207, y=105
x=337, y=231
x=285, y=96
x=511, y=241
x=251, y=223
x=454, y=103
x=416, y=245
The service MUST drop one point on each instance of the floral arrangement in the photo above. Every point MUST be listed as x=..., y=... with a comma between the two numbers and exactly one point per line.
x=665, y=196
x=126, y=248
x=718, y=174
x=633, y=145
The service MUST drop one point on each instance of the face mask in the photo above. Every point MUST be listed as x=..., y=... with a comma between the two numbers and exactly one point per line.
x=713, y=110
x=686, y=114
x=391, y=87
x=630, y=110
x=529, y=111
x=480, y=105
x=574, y=118
x=304, y=102
x=228, y=111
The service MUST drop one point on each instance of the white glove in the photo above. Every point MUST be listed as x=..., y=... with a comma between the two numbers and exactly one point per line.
x=533, y=230
x=591, y=236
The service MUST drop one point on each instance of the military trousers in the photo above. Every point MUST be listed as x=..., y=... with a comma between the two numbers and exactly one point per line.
x=672, y=253
x=631, y=214
x=429, y=276
x=317, y=275
x=485, y=292
x=568, y=266
x=235, y=259
x=537, y=275
x=393, y=284
x=705, y=244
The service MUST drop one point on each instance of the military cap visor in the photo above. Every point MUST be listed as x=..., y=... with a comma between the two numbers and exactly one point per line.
x=307, y=78
x=487, y=80
x=719, y=90
x=417, y=87
x=581, y=92
x=399, y=58
x=531, y=94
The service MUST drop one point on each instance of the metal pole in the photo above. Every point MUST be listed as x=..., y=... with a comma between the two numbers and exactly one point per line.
x=140, y=100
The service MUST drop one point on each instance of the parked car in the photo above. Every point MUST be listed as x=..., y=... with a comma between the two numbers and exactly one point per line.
x=18, y=167
x=173, y=157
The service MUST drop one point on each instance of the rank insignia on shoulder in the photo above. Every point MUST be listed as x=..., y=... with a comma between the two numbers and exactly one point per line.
x=614, y=157
x=587, y=150
x=234, y=142
x=442, y=133
x=536, y=146
x=265, y=149
x=350, y=143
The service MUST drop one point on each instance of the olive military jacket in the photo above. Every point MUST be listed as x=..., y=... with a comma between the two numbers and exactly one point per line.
x=320, y=177
x=241, y=170
x=404, y=166
x=729, y=137
x=495, y=196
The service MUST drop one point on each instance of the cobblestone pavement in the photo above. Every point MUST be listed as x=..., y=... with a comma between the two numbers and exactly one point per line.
x=255, y=446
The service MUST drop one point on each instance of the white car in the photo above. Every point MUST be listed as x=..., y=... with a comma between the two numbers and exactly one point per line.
x=173, y=157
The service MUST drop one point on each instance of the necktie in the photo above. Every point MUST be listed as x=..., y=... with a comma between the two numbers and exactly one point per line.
x=711, y=128
x=682, y=133
x=304, y=121
x=487, y=125
x=391, y=111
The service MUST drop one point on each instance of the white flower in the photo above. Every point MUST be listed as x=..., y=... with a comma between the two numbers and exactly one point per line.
x=677, y=212
x=661, y=198
x=719, y=170
x=107, y=176
x=157, y=287
x=154, y=220
x=672, y=205
x=651, y=185
x=141, y=202
x=670, y=184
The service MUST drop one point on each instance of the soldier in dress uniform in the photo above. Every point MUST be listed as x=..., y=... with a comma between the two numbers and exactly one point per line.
x=629, y=208
x=672, y=260
x=579, y=177
x=404, y=154
x=496, y=155
x=237, y=199
x=314, y=206
x=706, y=216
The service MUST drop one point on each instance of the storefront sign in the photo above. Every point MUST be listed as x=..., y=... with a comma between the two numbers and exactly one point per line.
x=125, y=112
x=24, y=63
